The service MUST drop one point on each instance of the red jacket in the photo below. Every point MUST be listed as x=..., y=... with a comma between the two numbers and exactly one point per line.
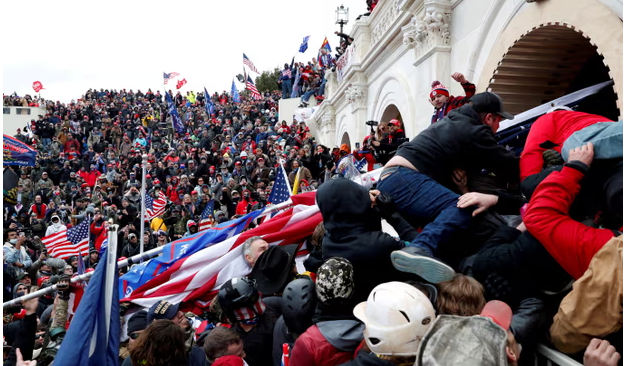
x=241, y=207
x=555, y=127
x=370, y=158
x=90, y=177
x=70, y=143
x=312, y=349
x=571, y=243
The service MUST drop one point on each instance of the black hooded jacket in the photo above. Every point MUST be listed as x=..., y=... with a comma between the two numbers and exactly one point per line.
x=353, y=231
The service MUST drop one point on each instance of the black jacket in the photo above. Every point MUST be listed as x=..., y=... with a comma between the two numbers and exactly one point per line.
x=368, y=359
x=459, y=140
x=353, y=231
x=513, y=265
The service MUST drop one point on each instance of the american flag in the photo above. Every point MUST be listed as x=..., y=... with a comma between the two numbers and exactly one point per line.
x=169, y=76
x=155, y=207
x=247, y=61
x=204, y=221
x=281, y=189
x=69, y=242
x=195, y=279
x=255, y=94
x=287, y=72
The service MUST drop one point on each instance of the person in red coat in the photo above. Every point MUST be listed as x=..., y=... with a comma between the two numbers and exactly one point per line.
x=246, y=204
x=91, y=176
x=550, y=131
x=571, y=243
x=366, y=153
x=443, y=102
x=71, y=141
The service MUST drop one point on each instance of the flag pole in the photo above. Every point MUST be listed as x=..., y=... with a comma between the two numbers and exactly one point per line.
x=143, y=172
x=111, y=268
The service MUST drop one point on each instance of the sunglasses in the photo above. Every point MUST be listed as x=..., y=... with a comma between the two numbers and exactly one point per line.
x=134, y=335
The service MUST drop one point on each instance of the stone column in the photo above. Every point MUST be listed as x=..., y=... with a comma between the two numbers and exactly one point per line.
x=357, y=96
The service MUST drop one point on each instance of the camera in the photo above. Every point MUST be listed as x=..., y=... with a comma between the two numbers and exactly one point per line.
x=372, y=123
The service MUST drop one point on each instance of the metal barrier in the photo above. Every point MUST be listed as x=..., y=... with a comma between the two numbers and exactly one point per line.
x=550, y=357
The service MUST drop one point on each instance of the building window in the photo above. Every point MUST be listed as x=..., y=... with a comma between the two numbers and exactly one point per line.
x=22, y=111
x=6, y=110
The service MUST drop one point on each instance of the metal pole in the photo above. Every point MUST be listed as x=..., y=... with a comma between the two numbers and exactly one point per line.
x=144, y=169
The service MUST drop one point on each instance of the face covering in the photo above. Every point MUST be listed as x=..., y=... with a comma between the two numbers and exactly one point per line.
x=56, y=225
x=13, y=241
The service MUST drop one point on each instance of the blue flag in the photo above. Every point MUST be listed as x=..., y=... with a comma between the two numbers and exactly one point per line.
x=181, y=248
x=17, y=152
x=235, y=96
x=209, y=104
x=93, y=334
x=175, y=117
x=304, y=44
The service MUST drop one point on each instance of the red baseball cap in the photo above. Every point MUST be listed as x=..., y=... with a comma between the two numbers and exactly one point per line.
x=395, y=122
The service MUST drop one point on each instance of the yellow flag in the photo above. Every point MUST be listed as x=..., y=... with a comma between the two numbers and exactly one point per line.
x=297, y=179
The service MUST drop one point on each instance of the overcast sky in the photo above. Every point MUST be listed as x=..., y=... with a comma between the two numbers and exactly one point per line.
x=71, y=46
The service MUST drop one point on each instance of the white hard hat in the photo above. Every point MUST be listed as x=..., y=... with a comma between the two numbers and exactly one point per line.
x=397, y=316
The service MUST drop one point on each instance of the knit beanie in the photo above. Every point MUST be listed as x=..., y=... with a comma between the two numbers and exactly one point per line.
x=137, y=322
x=438, y=88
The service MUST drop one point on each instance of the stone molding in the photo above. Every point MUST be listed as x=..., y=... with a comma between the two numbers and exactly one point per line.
x=429, y=31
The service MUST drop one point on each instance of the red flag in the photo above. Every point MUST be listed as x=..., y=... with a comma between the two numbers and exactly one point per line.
x=194, y=280
x=181, y=83
x=37, y=86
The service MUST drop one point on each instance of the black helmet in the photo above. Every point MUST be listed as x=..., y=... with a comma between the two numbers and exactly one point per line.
x=239, y=292
x=298, y=304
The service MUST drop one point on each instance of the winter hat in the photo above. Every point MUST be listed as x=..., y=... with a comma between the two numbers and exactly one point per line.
x=438, y=88
x=137, y=322
x=334, y=281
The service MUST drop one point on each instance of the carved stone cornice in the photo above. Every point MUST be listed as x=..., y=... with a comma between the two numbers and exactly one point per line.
x=429, y=31
x=356, y=95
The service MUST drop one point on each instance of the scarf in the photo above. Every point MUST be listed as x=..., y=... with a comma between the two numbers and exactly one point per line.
x=250, y=315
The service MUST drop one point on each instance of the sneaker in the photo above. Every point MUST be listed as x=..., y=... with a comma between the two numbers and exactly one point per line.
x=416, y=260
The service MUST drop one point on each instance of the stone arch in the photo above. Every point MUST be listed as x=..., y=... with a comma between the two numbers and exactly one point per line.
x=591, y=24
x=549, y=62
x=342, y=131
x=346, y=140
x=393, y=92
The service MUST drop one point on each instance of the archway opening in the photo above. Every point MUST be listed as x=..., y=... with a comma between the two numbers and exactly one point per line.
x=550, y=62
x=391, y=112
x=346, y=140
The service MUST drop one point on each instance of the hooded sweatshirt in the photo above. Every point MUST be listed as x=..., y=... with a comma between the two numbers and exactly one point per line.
x=353, y=231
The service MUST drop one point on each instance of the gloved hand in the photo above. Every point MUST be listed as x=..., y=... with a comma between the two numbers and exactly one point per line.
x=385, y=206
x=63, y=287
x=551, y=158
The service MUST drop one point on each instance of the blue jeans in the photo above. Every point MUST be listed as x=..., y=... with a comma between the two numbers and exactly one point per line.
x=286, y=88
x=417, y=195
x=46, y=141
x=606, y=137
x=322, y=90
x=306, y=96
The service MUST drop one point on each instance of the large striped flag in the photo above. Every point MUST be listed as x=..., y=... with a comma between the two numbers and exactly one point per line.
x=204, y=219
x=194, y=280
x=155, y=207
x=175, y=251
x=255, y=94
x=69, y=242
x=247, y=61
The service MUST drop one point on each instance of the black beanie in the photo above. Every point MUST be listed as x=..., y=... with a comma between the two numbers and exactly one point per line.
x=137, y=322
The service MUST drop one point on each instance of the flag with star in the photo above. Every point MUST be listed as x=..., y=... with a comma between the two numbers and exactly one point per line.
x=204, y=219
x=69, y=242
x=281, y=189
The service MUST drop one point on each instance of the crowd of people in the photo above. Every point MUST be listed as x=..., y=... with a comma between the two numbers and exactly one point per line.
x=493, y=255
